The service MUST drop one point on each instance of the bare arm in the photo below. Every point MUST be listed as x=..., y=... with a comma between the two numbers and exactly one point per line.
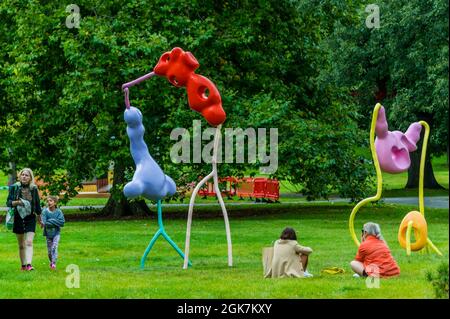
x=303, y=250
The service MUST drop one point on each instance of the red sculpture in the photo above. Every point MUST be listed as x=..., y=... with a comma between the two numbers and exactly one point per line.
x=179, y=68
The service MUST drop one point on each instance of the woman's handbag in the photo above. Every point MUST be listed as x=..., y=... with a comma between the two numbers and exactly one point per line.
x=9, y=219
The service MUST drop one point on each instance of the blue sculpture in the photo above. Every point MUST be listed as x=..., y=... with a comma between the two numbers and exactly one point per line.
x=148, y=180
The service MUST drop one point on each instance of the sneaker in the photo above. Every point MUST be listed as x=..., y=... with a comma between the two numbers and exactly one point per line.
x=29, y=267
x=53, y=266
x=23, y=268
x=356, y=276
x=306, y=274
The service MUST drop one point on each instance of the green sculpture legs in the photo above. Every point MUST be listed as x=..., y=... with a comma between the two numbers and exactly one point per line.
x=161, y=232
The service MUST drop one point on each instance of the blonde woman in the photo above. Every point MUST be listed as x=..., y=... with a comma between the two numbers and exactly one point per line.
x=374, y=257
x=23, y=196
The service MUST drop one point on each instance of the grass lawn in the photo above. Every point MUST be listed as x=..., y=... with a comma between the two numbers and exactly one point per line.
x=209, y=200
x=108, y=255
x=393, y=186
x=394, y=183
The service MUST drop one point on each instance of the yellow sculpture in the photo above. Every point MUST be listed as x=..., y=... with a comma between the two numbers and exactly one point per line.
x=394, y=148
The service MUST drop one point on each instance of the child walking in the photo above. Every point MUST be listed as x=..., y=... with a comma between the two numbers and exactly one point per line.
x=52, y=219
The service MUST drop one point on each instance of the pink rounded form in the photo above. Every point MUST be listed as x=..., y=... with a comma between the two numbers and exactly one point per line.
x=393, y=148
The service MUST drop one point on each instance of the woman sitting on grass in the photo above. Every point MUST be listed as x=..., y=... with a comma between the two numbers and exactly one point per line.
x=374, y=257
x=289, y=258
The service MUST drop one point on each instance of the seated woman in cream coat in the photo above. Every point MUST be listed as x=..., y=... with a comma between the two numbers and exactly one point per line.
x=289, y=258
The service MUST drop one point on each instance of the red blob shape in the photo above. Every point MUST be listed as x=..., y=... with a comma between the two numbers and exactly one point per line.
x=179, y=68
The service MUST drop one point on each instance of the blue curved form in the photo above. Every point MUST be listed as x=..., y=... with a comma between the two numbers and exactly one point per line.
x=148, y=179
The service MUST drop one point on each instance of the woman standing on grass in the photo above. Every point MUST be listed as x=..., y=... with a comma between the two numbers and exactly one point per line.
x=23, y=196
x=374, y=257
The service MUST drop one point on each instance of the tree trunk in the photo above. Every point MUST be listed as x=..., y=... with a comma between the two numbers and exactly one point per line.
x=414, y=170
x=447, y=153
x=381, y=94
x=12, y=175
x=118, y=205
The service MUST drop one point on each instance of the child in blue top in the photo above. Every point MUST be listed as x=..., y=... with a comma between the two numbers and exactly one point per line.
x=52, y=219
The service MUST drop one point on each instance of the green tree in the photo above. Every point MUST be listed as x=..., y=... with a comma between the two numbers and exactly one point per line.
x=404, y=65
x=265, y=58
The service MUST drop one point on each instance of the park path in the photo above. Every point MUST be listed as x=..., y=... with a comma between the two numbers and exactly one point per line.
x=431, y=202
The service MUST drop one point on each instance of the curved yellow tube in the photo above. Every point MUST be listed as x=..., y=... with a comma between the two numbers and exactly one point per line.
x=430, y=244
x=379, y=176
x=422, y=166
x=421, y=179
x=408, y=238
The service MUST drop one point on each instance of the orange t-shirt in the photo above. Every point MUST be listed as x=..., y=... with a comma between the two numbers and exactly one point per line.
x=377, y=258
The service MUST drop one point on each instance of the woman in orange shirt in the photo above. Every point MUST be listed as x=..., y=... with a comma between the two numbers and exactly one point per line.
x=374, y=257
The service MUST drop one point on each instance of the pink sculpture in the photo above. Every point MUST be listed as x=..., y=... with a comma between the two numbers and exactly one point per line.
x=393, y=148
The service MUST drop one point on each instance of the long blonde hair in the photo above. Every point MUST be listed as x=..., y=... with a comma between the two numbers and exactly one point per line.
x=32, y=182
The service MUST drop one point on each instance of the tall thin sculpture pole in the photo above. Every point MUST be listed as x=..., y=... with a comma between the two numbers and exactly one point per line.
x=219, y=197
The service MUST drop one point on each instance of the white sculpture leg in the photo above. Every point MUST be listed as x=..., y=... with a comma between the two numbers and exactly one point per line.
x=225, y=215
x=219, y=197
x=191, y=208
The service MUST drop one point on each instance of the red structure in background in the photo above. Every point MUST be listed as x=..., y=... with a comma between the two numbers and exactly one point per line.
x=272, y=189
x=245, y=187
x=259, y=187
